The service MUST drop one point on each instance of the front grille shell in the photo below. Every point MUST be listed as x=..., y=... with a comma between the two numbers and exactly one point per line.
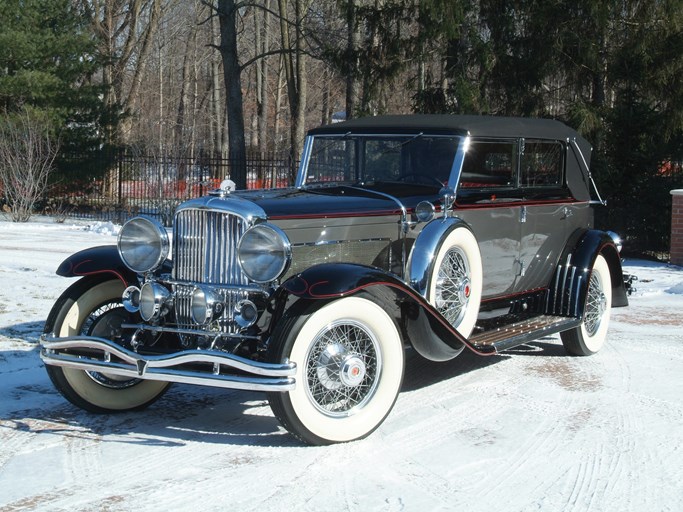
x=205, y=253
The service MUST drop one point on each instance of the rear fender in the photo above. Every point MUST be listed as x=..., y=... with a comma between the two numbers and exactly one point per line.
x=568, y=290
x=104, y=259
x=421, y=325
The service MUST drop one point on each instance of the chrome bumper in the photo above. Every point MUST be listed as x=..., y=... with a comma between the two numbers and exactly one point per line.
x=186, y=367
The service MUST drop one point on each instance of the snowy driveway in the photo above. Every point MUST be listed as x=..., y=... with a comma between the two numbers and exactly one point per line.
x=529, y=430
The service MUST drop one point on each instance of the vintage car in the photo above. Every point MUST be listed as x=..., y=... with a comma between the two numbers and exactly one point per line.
x=426, y=233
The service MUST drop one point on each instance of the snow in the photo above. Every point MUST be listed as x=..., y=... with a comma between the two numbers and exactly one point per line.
x=532, y=429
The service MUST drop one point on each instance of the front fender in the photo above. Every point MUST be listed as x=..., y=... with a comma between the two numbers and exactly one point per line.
x=97, y=260
x=426, y=329
x=425, y=249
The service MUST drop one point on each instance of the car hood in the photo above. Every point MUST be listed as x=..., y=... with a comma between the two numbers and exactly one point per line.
x=340, y=200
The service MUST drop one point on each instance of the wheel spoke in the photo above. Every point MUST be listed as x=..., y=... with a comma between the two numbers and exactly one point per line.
x=337, y=346
x=596, y=304
x=452, y=290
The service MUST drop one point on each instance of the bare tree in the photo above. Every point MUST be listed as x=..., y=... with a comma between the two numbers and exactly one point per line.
x=27, y=152
x=126, y=30
x=294, y=58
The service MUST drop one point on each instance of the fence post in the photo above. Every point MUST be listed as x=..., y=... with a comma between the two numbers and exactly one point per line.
x=676, y=256
x=119, y=168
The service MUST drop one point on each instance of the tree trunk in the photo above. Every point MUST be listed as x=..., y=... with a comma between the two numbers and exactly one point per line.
x=232, y=75
x=295, y=72
x=262, y=45
x=353, y=45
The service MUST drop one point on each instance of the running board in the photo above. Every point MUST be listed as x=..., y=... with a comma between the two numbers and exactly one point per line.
x=512, y=335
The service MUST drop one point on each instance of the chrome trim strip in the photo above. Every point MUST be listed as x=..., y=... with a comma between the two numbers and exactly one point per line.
x=337, y=242
x=166, y=368
x=456, y=169
x=303, y=165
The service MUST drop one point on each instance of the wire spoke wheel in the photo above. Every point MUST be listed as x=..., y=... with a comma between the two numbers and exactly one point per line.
x=349, y=357
x=456, y=280
x=453, y=287
x=342, y=367
x=105, y=322
x=590, y=336
x=92, y=307
x=596, y=304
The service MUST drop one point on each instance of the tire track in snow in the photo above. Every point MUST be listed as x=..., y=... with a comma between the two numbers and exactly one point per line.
x=14, y=437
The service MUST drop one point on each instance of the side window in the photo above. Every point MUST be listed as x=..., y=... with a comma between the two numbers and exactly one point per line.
x=489, y=164
x=542, y=164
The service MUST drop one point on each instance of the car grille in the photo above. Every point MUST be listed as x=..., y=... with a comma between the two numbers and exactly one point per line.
x=205, y=247
x=205, y=252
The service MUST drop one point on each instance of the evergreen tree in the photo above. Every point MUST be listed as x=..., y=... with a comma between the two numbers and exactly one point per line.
x=47, y=62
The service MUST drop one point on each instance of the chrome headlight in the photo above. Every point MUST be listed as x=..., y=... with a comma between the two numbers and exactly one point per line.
x=205, y=305
x=264, y=253
x=143, y=244
x=153, y=301
x=424, y=211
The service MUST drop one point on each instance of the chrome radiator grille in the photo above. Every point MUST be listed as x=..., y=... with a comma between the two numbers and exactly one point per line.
x=205, y=247
x=205, y=252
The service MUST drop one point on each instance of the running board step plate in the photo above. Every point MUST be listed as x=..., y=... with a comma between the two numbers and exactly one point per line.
x=512, y=335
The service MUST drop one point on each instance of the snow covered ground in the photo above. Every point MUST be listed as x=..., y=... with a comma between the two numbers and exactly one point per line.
x=529, y=430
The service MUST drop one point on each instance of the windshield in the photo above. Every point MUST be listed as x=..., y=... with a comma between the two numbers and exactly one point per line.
x=420, y=159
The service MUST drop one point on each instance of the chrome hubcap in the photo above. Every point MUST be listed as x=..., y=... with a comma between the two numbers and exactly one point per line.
x=342, y=368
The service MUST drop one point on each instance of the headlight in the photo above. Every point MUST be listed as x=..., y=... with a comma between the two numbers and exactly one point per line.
x=153, y=301
x=264, y=253
x=143, y=244
x=205, y=305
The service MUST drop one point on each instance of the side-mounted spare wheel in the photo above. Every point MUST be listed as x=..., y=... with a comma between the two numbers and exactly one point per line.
x=92, y=307
x=589, y=337
x=350, y=359
x=456, y=280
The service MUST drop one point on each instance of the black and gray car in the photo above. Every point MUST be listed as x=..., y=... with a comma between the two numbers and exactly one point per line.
x=434, y=234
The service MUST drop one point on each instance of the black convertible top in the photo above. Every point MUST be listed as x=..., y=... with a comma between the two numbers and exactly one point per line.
x=479, y=126
x=492, y=126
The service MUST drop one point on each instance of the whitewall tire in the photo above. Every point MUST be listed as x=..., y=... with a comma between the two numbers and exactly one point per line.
x=93, y=307
x=590, y=336
x=350, y=359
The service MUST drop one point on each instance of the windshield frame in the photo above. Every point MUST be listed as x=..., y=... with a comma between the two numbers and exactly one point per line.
x=407, y=137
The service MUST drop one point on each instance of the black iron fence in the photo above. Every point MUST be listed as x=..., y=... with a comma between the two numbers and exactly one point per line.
x=114, y=185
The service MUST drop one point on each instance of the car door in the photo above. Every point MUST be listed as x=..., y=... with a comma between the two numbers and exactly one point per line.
x=548, y=215
x=488, y=200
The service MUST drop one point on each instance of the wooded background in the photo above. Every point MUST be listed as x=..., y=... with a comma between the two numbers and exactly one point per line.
x=223, y=77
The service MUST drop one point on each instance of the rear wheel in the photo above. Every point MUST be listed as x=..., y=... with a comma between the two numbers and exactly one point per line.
x=589, y=337
x=349, y=357
x=92, y=307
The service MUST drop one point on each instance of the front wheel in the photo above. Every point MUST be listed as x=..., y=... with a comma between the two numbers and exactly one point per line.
x=589, y=337
x=349, y=357
x=92, y=307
